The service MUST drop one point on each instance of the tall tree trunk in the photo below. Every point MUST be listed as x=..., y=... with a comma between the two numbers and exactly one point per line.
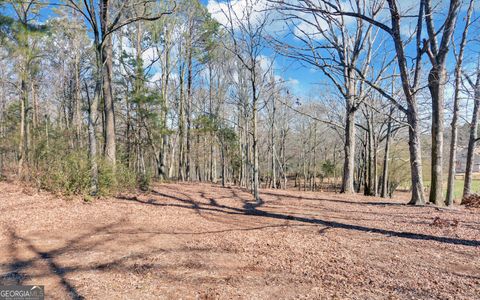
x=223, y=161
x=110, y=146
x=366, y=163
x=34, y=105
x=384, y=192
x=189, y=111
x=141, y=122
x=107, y=65
x=272, y=139
x=77, y=113
x=22, y=145
x=349, y=151
x=92, y=137
x=24, y=77
x=241, y=147
x=456, y=107
x=414, y=146
x=371, y=158
x=256, y=182
x=375, y=166
x=436, y=85
x=181, y=129
x=284, y=159
x=315, y=156
x=414, y=141
x=472, y=141
x=162, y=172
x=78, y=103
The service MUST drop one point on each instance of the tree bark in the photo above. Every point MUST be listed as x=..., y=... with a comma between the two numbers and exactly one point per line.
x=107, y=64
x=414, y=141
x=456, y=108
x=189, y=111
x=384, y=192
x=78, y=102
x=436, y=85
x=162, y=172
x=349, y=151
x=272, y=138
x=92, y=137
x=414, y=146
x=256, y=182
x=472, y=141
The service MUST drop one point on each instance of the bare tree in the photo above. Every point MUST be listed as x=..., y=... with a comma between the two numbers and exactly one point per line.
x=456, y=108
x=327, y=42
x=437, y=54
x=473, y=135
x=246, y=30
x=410, y=80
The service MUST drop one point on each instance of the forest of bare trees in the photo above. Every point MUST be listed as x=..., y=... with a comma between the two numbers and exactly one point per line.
x=98, y=96
x=239, y=149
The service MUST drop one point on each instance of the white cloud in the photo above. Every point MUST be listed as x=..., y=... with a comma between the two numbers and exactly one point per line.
x=308, y=23
x=242, y=11
x=238, y=10
x=293, y=82
x=265, y=62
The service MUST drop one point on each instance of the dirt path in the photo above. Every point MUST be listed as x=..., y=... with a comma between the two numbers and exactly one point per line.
x=199, y=241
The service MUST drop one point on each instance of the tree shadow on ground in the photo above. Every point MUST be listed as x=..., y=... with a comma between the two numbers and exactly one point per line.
x=370, y=203
x=44, y=263
x=19, y=269
x=212, y=205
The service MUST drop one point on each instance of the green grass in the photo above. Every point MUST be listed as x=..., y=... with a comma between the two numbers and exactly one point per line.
x=458, y=190
x=459, y=187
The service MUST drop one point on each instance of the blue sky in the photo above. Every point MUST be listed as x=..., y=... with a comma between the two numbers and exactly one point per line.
x=307, y=80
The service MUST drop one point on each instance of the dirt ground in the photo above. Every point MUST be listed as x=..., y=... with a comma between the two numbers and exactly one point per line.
x=201, y=241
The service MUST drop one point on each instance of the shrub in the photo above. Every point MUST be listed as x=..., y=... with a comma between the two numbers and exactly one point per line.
x=111, y=181
x=69, y=174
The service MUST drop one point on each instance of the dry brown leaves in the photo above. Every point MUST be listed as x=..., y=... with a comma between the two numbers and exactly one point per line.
x=471, y=201
x=202, y=241
x=439, y=222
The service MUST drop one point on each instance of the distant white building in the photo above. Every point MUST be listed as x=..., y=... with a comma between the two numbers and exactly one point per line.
x=462, y=160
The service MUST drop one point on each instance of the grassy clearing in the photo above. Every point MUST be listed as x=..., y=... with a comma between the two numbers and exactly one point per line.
x=458, y=191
